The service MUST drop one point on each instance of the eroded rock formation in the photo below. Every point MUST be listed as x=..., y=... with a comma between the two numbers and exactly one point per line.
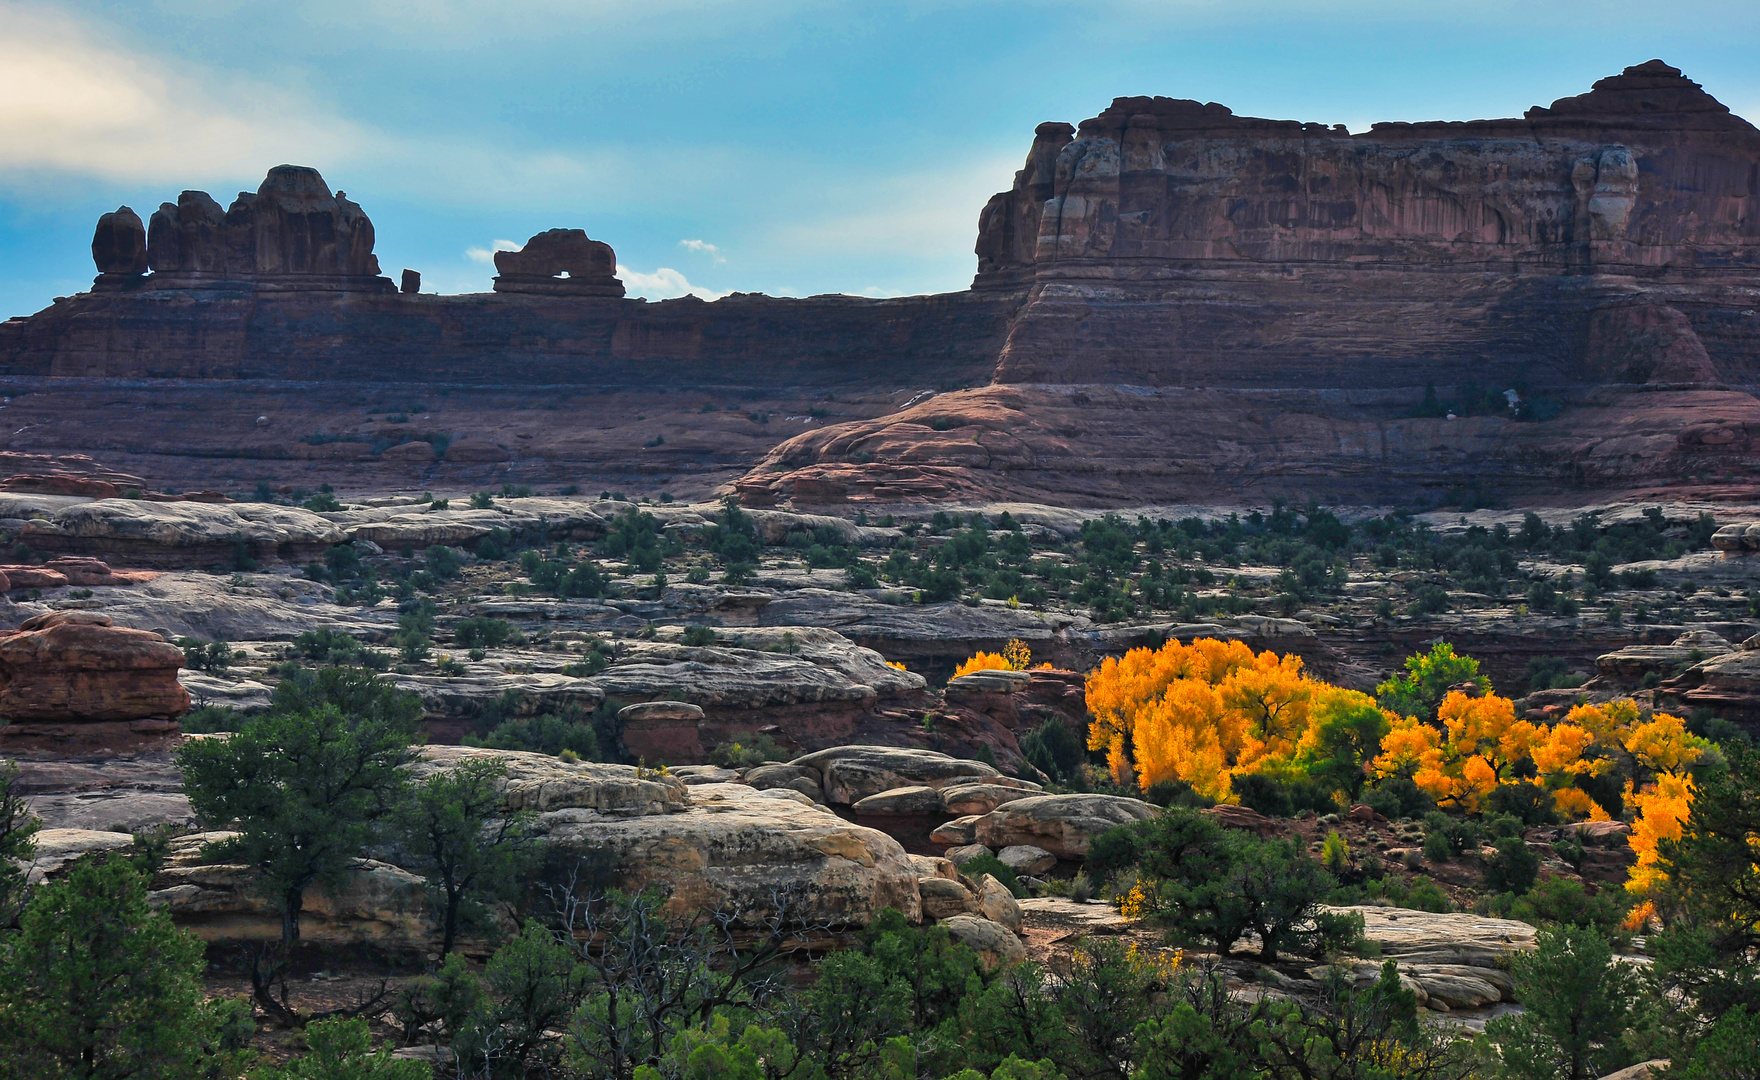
x=561, y=262
x=70, y=668
x=1611, y=236
x=1173, y=304
x=119, y=246
x=292, y=233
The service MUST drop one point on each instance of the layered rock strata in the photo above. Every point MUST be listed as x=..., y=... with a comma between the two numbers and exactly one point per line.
x=70, y=671
x=1608, y=237
x=1173, y=304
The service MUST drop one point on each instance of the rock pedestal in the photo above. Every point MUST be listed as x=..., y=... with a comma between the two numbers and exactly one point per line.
x=70, y=675
x=560, y=262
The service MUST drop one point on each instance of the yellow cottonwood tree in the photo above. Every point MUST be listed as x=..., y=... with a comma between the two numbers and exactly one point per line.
x=1122, y=689
x=1662, y=812
x=1480, y=743
x=1015, y=656
x=1200, y=713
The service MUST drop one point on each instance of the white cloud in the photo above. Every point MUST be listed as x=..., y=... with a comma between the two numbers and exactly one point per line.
x=703, y=247
x=487, y=255
x=69, y=103
x=927, y=218
x=662, y=284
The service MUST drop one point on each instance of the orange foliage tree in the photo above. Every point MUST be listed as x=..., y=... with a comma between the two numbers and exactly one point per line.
x=1015, y=656
x=1482, y=744
x=1211, y=710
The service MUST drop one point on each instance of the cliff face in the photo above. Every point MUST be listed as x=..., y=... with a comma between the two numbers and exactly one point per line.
x=1169, y=242
x=1256, y=305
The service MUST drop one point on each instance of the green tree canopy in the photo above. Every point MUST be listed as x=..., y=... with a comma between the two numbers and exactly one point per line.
x=306, y=792
x=1427, y=679
x=98, y=984
x=469, y=851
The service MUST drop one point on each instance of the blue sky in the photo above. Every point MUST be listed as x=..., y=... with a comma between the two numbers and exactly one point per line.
x=764, y=145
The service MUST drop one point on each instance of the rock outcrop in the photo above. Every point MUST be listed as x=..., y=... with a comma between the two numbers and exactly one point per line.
x=850, y=774
x=72, y=668
x=119, y=246
x=1727, y=682
x=183, y=535
x=560, y=262
x=714, y=846
x=291, y=233
x=1269, y=298
x=1737, y=538
x=1628, y=667
x=1062, y=825
x=1161, y=212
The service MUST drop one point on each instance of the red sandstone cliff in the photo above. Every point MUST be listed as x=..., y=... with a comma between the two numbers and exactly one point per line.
x=1170, y=242
x=1172, y=302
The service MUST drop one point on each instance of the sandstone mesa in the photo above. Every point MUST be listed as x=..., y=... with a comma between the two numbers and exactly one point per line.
x=1172, y=303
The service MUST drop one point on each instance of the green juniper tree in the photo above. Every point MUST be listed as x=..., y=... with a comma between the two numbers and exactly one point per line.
x=18, y=830
x=1577, y=1003
x=306, y=792
x=97, y=984
x=453, y=827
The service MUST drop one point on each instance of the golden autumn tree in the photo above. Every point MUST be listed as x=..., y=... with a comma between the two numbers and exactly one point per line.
x=1662, y=809
x=1125, y=690
x=1205, y=712
x=1479, y=744
x=1015, y=656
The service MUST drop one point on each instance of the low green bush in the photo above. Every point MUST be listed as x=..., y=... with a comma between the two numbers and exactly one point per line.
x=547, y=734
x=1514, y=867
x=976, y=868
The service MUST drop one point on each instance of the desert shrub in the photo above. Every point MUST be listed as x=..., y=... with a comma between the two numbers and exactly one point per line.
x=593, y=661
x=1277, y=797
x=1530, y=803
x=326, y=645
x=213, y=657
x=442, y=561
x=747, y=751
x=698, y=635
x=635, y=537
x=733, y=538
x=1205, y=882
x=207, y=719
x=341, y=1048
x=1460, y=834
x=1398, y=797
x=1055, y=751
x=1417, y=892
x=1563, y=902
x=498, y=544
x=1424, y=895
x=1437, y=847
x=483, y=632
x=976, y=868
x=562, y=579
x=546, y=734
x=1514, y=867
